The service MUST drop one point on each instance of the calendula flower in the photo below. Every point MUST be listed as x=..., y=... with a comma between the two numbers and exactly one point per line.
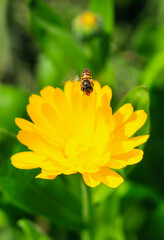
x=74, y=133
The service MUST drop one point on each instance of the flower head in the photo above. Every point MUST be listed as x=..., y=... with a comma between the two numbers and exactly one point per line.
x=88, y=19
x=71, y=132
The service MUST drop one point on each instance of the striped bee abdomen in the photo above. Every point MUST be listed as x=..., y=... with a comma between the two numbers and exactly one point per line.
x=86, y=74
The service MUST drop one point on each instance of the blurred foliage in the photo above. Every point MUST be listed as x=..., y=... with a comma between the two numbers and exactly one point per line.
x=40, y=48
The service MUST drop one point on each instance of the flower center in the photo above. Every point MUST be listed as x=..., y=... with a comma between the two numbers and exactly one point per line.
x=77, y=146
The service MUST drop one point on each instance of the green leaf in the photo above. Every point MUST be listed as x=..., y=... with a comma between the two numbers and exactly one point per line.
x=12, y=104
x=4, y=37
x=46, y=71
x=150, y=73
x=100, y=193
x=105, y=10
x=37, y=198
x=31, y=230
x=157, y=222
x=43, y=11
x=59, y=41
x=147, y=39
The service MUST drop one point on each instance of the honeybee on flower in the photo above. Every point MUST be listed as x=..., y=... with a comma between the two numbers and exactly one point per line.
x=86, y=82
x=58, y=145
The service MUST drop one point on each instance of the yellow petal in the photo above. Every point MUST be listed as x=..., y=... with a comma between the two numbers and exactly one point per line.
x=111, y=178
x=105, y=175
x=116, y=164
x=34, y=111
x=136, y=121
x=55, y=97
x=67, y=90
x=139, y=140
x=103, y=126
x=60, y=103
x=27, y=160
x=34, y=141
x=47, y=94
x=135, y=156
x=123, y=114
x=42, y=122
x=88, y=109
x=59, y=127
x=129, y=158
x=44, y=175
x=24, y=124
x=102, y=160
x=94, y=161
x=121, y=147
x=92, y=179
x=97, y=87
x=55, y=168
x=106, y=91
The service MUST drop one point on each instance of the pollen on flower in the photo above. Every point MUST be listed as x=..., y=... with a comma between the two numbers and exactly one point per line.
x=71, y=133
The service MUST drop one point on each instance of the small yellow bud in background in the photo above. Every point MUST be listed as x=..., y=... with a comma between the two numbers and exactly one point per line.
x=87, y=25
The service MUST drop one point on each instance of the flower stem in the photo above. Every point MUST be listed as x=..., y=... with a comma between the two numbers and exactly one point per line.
x=87, y=231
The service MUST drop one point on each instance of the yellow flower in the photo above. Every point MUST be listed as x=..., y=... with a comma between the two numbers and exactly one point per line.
x=88, y=18
x=72, y=132
x=87, y=24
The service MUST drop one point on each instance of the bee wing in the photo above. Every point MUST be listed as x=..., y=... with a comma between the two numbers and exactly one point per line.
x=76, y=78
x=72, y=75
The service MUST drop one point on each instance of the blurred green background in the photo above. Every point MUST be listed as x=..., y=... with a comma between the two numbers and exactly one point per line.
x=46, y=42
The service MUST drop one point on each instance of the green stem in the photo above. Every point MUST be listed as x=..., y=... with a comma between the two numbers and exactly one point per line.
x=87, y=231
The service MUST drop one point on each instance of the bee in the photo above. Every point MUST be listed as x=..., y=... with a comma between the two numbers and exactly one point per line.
x=86, y=82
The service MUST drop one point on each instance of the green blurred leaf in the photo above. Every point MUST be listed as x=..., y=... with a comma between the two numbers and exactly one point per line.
x=4, y=37
x=41, y=10
x=61, y=40
x=147, y=40
x=59, y=45
x=157, y=222
x=12, y=104
x=46, y=71
x=136, y=192
x=108, y=220
x=100, y=193
x=104, y=9
x=36, y=198
x=150, y=73
x=8, y=233
x=31, y=230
